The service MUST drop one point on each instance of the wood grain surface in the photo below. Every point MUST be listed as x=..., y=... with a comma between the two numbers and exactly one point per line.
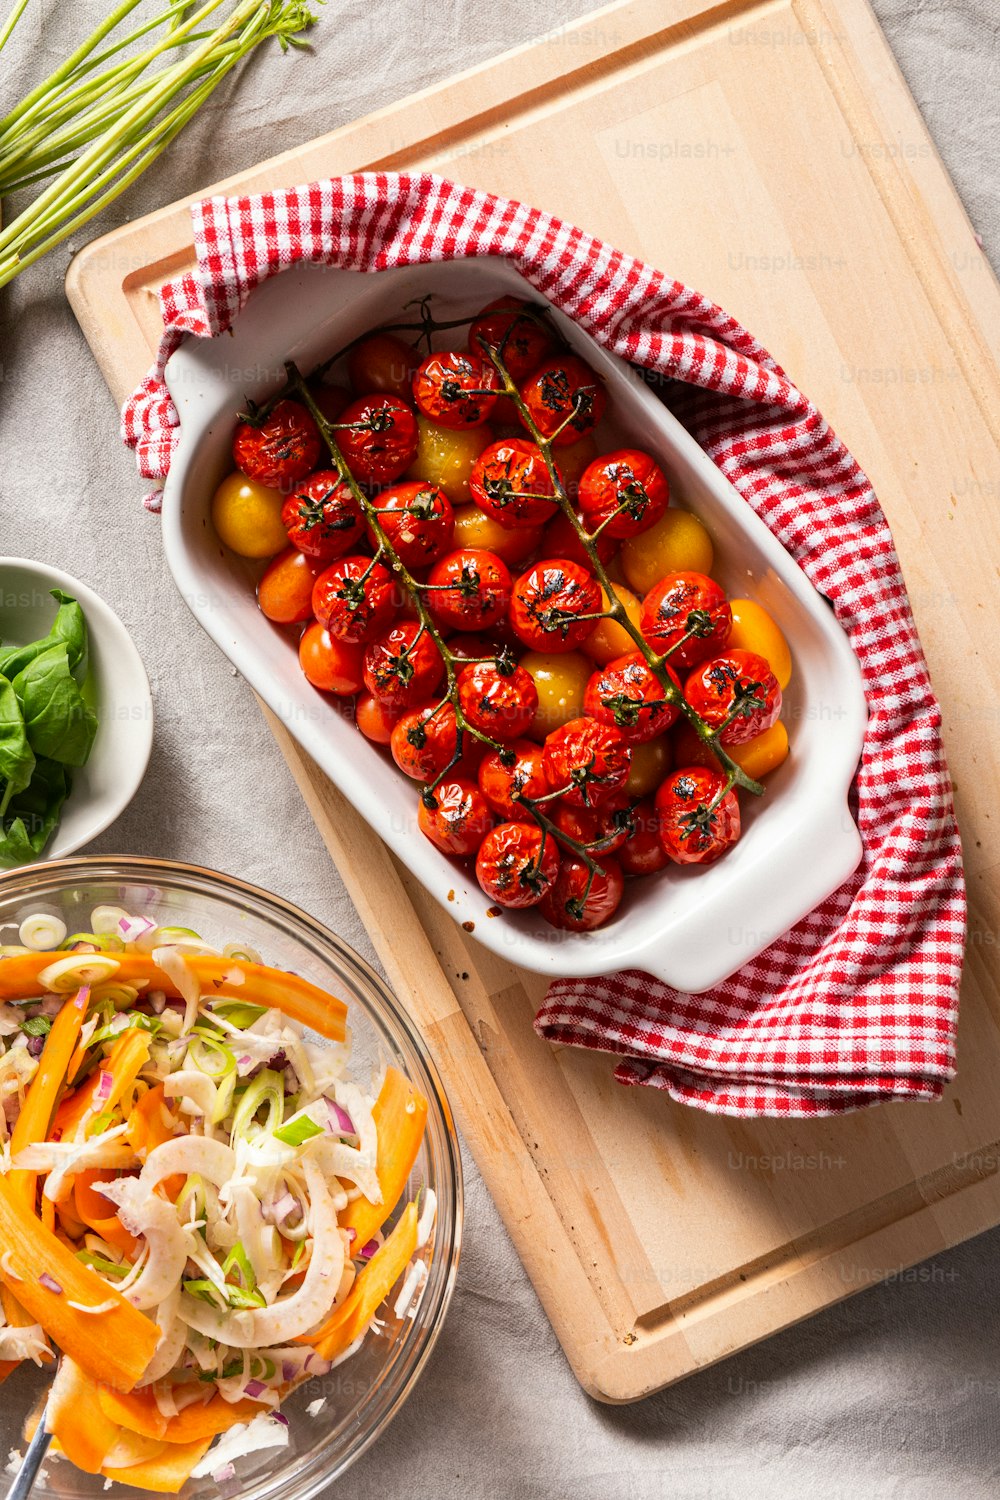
x=770, y=154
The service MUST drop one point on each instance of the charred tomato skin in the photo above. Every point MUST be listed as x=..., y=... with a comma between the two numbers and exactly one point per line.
x=550, y=602
x=737, y=694
x=470, y=589
x=455, y=390
x=580, y=900
x=624, y=493
x=627, y=694
x=511, y=484
x=565, y=399
x=459, y=820
x=403, y=667
x=691, y=830
x=279, y=450
x=516, y=864
x=499, y=704
x=355, y=599
x=378, y=437
x=589, y=759
x=686, y=616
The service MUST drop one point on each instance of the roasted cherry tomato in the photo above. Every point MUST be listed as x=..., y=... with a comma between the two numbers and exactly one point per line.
x=757, y=757
x=500, y=704
x=378, y=438
x=516, y=864
x=382, y=365
x=754, y=630
x=737, y=694
x=698, y=819
x=321, y=516
x=404, y=667
x=678, y=543
x=281, y=449
x=642, y=853
x=474, y=528
x=626, y=694
x=332, y=400
x=650, y=763
x=602, y=829
x=581, y=899
x=285, y=591
x=469, y=589
x=247, y=517
x=609, y=640
x=553, y=605
x=424, y=741
x=355, y=599
x=590, y=760
x=521, y=341
x=460, y=818
x=418, y=520
x=561, y=681
x=332, y=665
x=573, y=460
x=456, y=390
x=504, y=785
x=624, y=492
x=445, y=458
x=565, y=399
x=562, y=540
x=511, y=483
x=686, y=616
x=375, y=720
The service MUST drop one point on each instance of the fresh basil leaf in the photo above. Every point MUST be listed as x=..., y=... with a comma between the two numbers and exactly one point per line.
x=56, y=718
x=68, y=626
x=33, y=814
x=17, y=760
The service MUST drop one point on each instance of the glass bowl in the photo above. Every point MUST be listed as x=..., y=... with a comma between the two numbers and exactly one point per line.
x=364, y=1393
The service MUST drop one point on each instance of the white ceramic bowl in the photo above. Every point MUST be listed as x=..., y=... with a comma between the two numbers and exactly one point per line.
x=692, y=927
x=119, y=691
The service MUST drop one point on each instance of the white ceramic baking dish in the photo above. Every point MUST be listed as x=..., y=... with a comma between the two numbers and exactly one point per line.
x=691, y=927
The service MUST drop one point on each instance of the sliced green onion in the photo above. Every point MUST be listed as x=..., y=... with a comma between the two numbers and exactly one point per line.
x=36, y=1026
x=299, y=1252
x=210, y=1056
x=238, y=1013
x=99, y=1263
x=243, y=955
x=297, y=1132
x=239, y=1262
x=266, y=1091
x=205, y=1291
x=104, y=942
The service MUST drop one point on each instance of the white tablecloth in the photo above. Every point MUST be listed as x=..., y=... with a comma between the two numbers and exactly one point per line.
x=895, y=1393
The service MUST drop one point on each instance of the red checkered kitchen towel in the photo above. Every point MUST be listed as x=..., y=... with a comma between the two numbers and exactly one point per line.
x=858, y=1003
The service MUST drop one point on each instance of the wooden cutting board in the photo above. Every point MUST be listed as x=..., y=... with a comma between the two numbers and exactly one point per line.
x=768, y=153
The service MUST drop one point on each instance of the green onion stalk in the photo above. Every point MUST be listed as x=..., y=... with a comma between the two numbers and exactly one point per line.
x=90, y=129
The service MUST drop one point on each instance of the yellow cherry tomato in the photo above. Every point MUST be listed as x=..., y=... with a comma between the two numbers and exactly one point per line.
x=474, y=528
x=608, y=639
x=247, y=517
x=758, y=757
x=560, y=679
x=445, y=457
x=678, y=543
x=650, y=764
x=572, y=460
x=754, y=630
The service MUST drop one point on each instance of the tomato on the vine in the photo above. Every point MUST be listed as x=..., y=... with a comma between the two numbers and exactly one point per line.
x=332, y=400
x=553, y=604
x=417, y=519
x=561, y=539
x=504, y=785
x=500, y=704
x=580, y=899
x=469, y=589
x=279, y=449
x=456, y=390
x=329, y=664
x=404, y=667
x=321, y=516
x=375, y=720
x=642, y=852
x=355, y=599
x=425, y=740
x=737, y=694
x=624, y=492
x=521, y=340
x=460, y=818
x=590, y=760
x=686, y=616
x=565, y=399
x=516, y=864
x=382, y=365
x=602, y=829
x=378, y=438
x=510, y=481
x=698, y=819
x=627, y=694
x=285, y=590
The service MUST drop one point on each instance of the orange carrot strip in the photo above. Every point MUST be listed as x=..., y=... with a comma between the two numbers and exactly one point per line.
x=127, y=1057
x=400, y=1113
x=92, y=1208
x=231, y=978
x=115, y=1345
x=138, y=1412
x=349, y=1321
x=76, y=1421
x=40, y=1101
x=167, y=1473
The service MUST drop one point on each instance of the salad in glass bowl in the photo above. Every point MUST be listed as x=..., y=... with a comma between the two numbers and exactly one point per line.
x=205, y=1203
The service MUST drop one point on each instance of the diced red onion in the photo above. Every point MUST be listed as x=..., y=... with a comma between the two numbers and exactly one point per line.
x=288, y=1370
x=105, y=1084
x=254, y=1388
x=315, y=1365
x=224, y=1472
x=245, y=1065
x=340, y=1119
x=131, y=929
x=352, y=1235
x=276, y=1416
x=367, y=1251
x=282, y=1207
x=50, y=1283
x=36, y=1045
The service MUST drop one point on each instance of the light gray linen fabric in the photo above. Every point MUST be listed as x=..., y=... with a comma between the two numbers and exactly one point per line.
x=893, y=1394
